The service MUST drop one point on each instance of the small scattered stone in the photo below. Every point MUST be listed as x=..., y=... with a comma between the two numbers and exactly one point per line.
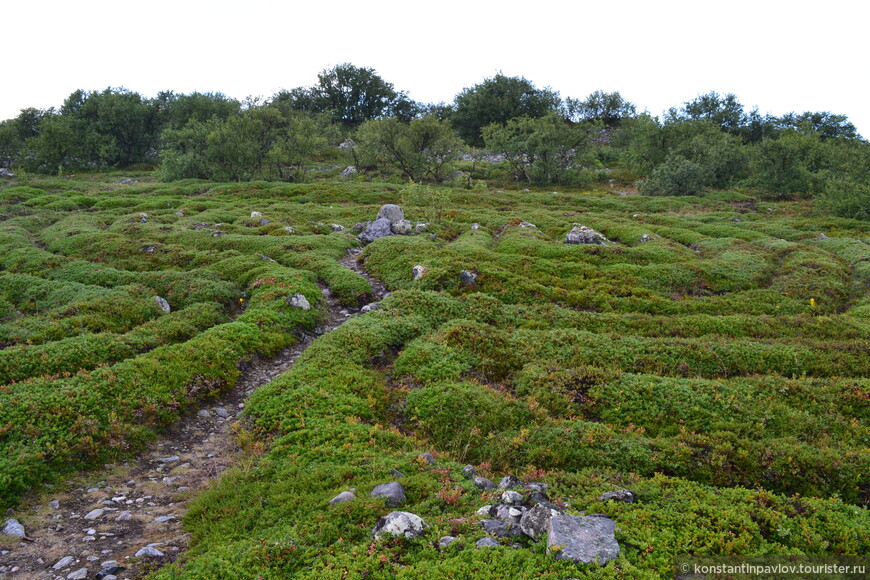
x=392, y=212
x=124, y=516
x=256, y=214
x=203, y=414
x=446, y=541
x=624, y=495
x=289, y=230
x=468, y=278
x=483, y=483
x=336, y=227
x=468, y=471
x=401, y=227
x=343, y=497
x=501, y=528
x=418, y=271
x=166, y=460
x=164, y=519
x=149, y=552
x=221, y=412
x=95, y=514
x=64, y=562
x=79, y=574
x=486, y=543
x=54, y=504
x=163, y=304
x=428, y=458
x=583, y=539
x=475, y=226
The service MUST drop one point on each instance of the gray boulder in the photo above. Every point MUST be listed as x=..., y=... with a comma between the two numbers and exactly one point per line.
x=585, y=539
x=298, y=301
x=418, y=271
x=149, y=552
x=392, y=492
x=256, y=214
x=349, y=171
x=13, y=527
x=428, y=458
x=6, y=173
x=446, y=541
x=511, y=498
x=399, y=524
x=391, y=212
x=380, y=228
x=289, y=229
x=163, y=304
x=468, y=471
x=337, y=227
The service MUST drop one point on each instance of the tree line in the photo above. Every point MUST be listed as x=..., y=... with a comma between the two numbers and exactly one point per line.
x=527, y=134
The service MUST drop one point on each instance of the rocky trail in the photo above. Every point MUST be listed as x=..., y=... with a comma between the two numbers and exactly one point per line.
x=124, y=521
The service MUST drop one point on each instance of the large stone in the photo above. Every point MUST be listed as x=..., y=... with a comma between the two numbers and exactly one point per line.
x=585, y=539
x=399, y=524
x=584, y=235
x=13, y=528
x=392, y=492
x=79, y=574
x=486, y=543
x=6, y=173
x=391, y=212
x=349, y=171
x=64, y=562
x=149, y=552
x=380, y=228
x=298, y=301
x=94, y=514
x=509, y=482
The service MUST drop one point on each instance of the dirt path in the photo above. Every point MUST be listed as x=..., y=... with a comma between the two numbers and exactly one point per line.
x=125, y=520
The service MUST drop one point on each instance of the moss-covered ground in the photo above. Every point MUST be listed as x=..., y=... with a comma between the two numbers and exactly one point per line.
x=714, y=359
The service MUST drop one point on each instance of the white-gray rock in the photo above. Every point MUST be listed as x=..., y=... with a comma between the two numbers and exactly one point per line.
x=149, y=552
x=163, y=304
x=535, y=521
x=468, y=471
x=583, y=539
x=289, y=230
x=583, y=235
x=418, y=271
x=391, y=212
x=64, y=562
x=399, y=524
x=483, y=483
x=468, y=278
x=509, y=482
x=511, y=498
x=475, y=226
x=298, y=301
x=343, y=497
x=94, y=514
x=79, y=574
x=349, y=171
x=625, y=495
x=446, y=541
x=392, y=492
x=336, y=227
x=13, y=527
x=256, y=214
x=4, y=172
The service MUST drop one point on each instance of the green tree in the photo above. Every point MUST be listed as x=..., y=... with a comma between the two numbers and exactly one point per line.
x=498, y=100
x=354, y=94
x=609, y=108
x=725, y=111
x=827, y=125
x=795, y=163
x=422, y=150
x=540, y=150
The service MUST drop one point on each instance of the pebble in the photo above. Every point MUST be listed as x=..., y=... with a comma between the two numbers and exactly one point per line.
x=203, y=413
x=163, y=519
x=166, y=460
x=79, y=574
x=124, y=516
x=54, y=504
x=149, y=552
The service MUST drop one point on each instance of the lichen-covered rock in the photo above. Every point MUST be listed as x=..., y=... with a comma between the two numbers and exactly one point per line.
x=337, y=227
x=468, y=471
x=399, y=524
x=509, y=482
x=349, y=171
x=534, y=521
x=501, y=528
x=401, y=227
x=486, y=543
x=418, y=271
x=446, y=541
x=392, y=492
x=468, y=278
x=625, y=495
x=585, y=539
x=298, y=301
x=584, y=235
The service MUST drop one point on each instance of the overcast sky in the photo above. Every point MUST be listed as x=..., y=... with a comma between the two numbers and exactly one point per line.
x=777, y=55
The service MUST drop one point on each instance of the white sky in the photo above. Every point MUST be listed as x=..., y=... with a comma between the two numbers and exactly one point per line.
x=779, y=55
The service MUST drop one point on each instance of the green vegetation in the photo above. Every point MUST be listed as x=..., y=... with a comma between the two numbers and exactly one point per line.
x=711, y=355
x=712, y=358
